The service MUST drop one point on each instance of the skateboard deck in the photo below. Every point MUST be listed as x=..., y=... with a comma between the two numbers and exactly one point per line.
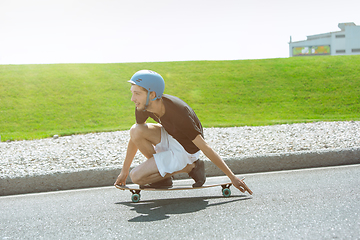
x=135, y=189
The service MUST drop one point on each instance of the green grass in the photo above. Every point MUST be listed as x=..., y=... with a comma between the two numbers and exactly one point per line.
x=38, y=101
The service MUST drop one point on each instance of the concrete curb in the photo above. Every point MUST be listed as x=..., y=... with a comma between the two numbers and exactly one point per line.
x=106, y=176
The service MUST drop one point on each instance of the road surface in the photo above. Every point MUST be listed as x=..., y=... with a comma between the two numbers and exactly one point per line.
x=321, y=203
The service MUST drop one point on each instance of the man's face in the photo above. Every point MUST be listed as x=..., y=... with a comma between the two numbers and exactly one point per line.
x=139, y=95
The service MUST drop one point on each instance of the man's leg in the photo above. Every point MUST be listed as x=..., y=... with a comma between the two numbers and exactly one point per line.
x=145, y=137
x=147, y=172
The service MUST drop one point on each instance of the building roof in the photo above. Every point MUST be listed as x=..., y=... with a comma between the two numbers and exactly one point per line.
x=325, y=35
x=342, y=25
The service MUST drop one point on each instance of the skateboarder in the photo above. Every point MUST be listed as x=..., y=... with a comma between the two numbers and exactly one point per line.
x=173, y=145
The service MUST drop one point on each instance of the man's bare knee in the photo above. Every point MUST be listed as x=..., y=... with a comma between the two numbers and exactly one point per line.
x=135, y=177
x=150, y=133
x=136, y=131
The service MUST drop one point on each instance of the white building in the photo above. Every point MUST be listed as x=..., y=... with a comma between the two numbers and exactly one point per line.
x=344, y=42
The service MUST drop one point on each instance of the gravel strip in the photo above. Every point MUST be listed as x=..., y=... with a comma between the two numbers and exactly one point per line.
x=98, y=150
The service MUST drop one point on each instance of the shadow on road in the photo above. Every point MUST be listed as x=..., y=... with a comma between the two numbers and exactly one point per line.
x=160, y=209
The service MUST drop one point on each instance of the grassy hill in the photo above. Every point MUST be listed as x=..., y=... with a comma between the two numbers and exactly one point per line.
x=38, y=101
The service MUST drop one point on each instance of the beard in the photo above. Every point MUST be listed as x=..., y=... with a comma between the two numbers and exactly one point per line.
x=140, y=107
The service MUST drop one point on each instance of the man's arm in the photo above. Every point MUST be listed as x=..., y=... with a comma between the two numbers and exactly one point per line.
x=217, y=160
x=130, y=154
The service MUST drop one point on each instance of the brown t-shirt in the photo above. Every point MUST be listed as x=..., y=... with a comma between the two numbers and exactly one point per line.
x=179, y=120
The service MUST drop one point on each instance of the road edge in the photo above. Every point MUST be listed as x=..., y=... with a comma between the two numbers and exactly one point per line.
x=98, y=177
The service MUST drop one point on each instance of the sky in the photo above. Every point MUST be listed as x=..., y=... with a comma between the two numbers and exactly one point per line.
x=117, y=31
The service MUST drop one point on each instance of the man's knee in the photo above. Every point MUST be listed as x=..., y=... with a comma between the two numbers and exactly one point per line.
x=135, y=176
x=147, y=131
x=136, y=131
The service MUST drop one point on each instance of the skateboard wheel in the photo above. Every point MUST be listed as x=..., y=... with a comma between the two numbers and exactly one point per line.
x=226, y=192
x=135, y=198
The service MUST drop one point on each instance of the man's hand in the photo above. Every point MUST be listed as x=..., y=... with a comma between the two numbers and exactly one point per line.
x=217, y=160
x=121, y=179
x=239, y=184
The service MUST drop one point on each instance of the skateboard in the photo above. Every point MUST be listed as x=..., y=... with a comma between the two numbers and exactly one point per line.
x=135, y=189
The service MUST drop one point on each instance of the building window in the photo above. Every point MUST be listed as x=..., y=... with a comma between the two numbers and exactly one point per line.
x=340, y=51
x=311, y=50
x=340, y=36
x=355, y=50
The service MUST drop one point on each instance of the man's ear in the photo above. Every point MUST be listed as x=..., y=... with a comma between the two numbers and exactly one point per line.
x=152, y=95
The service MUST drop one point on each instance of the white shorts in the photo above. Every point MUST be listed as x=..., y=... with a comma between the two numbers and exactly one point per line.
x=171, y=156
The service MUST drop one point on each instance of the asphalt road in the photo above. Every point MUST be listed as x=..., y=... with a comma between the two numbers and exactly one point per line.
x=321, y=203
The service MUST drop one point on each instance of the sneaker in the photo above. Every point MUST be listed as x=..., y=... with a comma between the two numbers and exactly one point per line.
x=165, y=183
x=198, y=173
